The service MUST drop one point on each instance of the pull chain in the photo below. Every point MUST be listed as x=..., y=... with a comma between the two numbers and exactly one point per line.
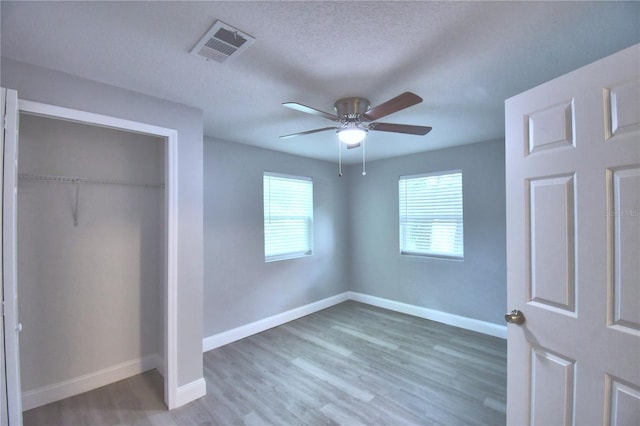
x=364, y=170
x=339, y=159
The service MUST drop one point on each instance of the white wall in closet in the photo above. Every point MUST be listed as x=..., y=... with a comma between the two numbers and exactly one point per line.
x=91, y=292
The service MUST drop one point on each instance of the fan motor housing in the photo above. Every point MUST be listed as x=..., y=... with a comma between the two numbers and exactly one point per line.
x=351, y=107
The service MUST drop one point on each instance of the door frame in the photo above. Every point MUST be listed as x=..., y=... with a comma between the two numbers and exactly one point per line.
x=170, y=287
x=11, y=323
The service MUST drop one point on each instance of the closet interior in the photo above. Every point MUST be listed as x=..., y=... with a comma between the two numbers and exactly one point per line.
x=90, y=256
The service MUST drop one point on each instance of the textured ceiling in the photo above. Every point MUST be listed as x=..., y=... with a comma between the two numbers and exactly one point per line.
x=463, y=58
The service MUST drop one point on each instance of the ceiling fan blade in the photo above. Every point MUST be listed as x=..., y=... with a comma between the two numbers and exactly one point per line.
x=400, y=102
x=400, y=128
x=353, y=146
x=309, y=110
x=308, y=132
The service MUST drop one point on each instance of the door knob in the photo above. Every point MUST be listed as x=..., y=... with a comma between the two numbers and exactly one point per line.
x=514, y=317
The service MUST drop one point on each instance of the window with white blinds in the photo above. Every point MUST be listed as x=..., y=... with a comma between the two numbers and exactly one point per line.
x=431, y=215
x=288, y=216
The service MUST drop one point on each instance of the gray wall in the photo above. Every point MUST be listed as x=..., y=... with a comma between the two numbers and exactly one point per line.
x=473, y=288
x=239, y=286
x=356, y=236
x=52, y=87
x=89, y=294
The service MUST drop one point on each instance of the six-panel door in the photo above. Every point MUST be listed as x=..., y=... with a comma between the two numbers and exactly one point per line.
x=573, y=246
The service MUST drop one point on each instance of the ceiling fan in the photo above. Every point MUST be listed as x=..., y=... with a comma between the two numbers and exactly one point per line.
x=355, y=118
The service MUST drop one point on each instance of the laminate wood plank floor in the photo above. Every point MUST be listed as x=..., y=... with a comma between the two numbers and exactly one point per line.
x=351, y=364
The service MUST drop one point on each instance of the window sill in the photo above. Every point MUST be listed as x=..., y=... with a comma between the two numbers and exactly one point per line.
x=432, y=256
x=286, y=256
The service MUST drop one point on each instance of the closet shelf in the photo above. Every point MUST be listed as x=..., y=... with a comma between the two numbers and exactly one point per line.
x=71, y=179
x=78, y=180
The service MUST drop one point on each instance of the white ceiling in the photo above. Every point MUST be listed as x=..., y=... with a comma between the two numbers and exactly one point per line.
x=463, y=58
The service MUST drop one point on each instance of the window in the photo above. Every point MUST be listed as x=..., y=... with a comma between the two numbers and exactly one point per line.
x=431, y=215
x=288, y=216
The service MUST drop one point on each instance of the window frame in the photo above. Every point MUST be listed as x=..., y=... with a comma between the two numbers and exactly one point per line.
x=291, y=254
x=431, y=254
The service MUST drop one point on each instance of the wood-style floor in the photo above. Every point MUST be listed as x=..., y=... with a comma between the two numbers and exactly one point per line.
x=350, y=364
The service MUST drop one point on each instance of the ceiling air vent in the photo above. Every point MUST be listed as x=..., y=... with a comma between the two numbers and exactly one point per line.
x=222, y=42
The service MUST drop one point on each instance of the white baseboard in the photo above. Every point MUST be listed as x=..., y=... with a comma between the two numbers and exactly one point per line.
x=226, y=337
x=57, y=391
x=191, y=392
x=431, y=314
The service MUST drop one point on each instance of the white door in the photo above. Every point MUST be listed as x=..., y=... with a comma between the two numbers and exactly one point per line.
x=573, y=247
x=11, y=372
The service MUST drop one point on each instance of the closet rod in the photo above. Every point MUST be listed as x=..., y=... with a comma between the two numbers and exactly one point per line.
x=70, y=179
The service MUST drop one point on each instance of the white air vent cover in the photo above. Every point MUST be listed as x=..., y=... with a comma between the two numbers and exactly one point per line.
x=221, y=42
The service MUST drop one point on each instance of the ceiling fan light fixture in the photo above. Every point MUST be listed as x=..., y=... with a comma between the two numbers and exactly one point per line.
x=355, y=118
x=352, y=135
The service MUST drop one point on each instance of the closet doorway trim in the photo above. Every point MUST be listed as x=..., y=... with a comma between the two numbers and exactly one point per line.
x=171, y=213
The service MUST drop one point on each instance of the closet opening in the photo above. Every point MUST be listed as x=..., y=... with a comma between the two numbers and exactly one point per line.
x=96, y=253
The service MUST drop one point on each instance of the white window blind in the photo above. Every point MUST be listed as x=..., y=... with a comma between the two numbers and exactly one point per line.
x=431, y=215
x=288, y=216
